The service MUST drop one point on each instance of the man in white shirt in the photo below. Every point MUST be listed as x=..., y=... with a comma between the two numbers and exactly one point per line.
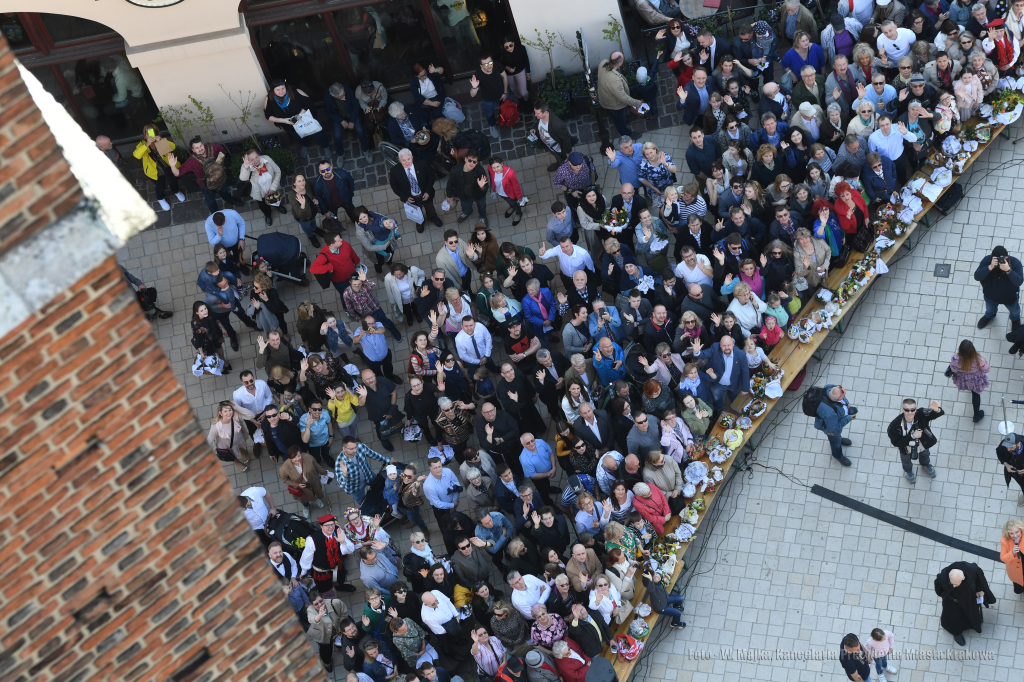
x=258, y=507
x=571, y=259
x=254, y=395
x=894, y=42
x=527, y=590
x=439, y=614
x=283, y=563
x=694, y=268
x=475, y=346
x=889, y=143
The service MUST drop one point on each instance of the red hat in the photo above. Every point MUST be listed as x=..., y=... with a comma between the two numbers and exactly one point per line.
x=326, y=518
x=997, y=23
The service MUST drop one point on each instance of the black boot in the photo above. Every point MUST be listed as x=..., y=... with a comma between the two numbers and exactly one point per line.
x=314, y=241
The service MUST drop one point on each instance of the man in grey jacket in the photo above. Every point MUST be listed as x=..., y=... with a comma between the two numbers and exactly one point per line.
x=645, y=435
x=471, y=565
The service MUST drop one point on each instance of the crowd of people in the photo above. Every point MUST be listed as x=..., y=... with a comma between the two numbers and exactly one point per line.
x=789, y=165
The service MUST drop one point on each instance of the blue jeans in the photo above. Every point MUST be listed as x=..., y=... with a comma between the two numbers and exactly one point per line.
x=881, y=663
x=339, y=144
x=211, y=197
x=341, y=286
x=489, y=109
x=413, y=514
x=676, y=614
x=308, y=226
x=620, y=117
x=836, y=443
x=359, y=495
x=991, y=307
x=718, y=392
x=481, y=206
x=379, y=315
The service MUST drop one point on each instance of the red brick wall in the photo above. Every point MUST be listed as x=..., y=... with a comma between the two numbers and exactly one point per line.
x=125, y=555
x=36, y=184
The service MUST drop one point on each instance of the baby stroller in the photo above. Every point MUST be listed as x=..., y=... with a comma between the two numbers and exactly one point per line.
x=284, y=254
x=375, y=503
x=291, y=531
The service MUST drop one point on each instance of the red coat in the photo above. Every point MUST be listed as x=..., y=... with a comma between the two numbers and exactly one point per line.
x=849, y=225
x=570, y=669
x=509, y=182
x=653, y=508
x=341, y=265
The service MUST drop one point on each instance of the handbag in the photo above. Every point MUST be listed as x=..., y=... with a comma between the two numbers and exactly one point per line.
x=949, y=372
x=294, y=492
x=323, y=278
x=452, y=628
x=306, y=125
x=414, y=213
x=389, y=427
x=844, y=255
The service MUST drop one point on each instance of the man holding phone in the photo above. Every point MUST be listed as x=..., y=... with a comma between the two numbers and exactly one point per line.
x=1001, y=276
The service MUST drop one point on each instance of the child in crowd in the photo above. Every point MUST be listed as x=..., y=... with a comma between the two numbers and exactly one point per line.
x=483, y=387
x=776, y=310
x=391, y=487
x=791, y=297
x=880, y=645
x=226, y=262
x=771, y=333
x=725, y=325
x=755, y=354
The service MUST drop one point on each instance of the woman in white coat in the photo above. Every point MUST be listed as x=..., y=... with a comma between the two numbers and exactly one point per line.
x=401, y=285
x=264, y=177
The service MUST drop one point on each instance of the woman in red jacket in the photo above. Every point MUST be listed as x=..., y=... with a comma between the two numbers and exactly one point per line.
x=506, y=184
x=337, y=259
x=652, y=505
x=851, y=211
x=570, y=660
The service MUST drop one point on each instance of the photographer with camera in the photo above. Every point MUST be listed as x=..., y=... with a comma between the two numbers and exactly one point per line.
x=1001, y=276
x=911, y=433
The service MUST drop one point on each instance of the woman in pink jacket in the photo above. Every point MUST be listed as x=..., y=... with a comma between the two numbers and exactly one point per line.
x=506, y=184
x=652, y=505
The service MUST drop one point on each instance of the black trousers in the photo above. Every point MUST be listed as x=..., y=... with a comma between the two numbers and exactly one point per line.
x=543, y=486
x=327, y=655
x=322, y=454
x=382, y=368
x=225, y=321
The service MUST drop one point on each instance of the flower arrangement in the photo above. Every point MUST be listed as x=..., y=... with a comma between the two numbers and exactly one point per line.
x=689, y=515
x=615, y=218
x=1006, y=100
x=888, y=224
x=698, y=504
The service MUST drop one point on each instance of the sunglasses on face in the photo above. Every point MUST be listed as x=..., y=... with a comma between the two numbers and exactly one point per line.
x=910, y=409
x=641, y=421
x=471, y=162
x=325, y=170
x=271, y=416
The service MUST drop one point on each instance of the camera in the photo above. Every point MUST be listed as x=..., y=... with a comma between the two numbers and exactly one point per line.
x=1002, y=259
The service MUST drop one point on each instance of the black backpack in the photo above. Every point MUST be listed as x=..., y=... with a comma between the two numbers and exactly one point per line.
x=813, y=397
x=473, y=139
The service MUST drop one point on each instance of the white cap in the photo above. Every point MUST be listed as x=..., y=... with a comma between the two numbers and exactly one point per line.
x=391, y=469
x=641, y=75
x=882, y=3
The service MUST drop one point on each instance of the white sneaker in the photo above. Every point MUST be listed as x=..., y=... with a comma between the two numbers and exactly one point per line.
x=891, y=670
x=337, y=641
x=181, y=196
x=164, y=206
x=881, y=677
x=305, y=512
x=320, y=503
x=1020, y=500
x=494, y=132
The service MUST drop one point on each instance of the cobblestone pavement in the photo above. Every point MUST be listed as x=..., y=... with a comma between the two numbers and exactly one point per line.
x=784, y=570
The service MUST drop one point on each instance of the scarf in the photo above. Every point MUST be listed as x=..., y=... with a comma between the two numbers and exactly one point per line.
x=333, y=551
x=982, y=75
x=283, y=103
x=769, y=166
x=754, y=282
x=945, y=77
x=539, y=300
x=1004, y=52
x=426, y=553
x=689, y=385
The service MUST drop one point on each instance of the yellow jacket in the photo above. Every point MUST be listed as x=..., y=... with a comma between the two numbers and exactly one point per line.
x=144, y=154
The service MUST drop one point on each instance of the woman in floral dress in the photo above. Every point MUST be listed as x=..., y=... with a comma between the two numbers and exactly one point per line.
x=970, y=373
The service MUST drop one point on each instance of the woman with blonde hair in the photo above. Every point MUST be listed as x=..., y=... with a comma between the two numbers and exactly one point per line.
x=970, y=373
x=767, y=165
x=747, y=308
x=655, y=171
x=266, y=307
x=811, y=258
x=227, y=434
x=457, y=308
x=1010, y=551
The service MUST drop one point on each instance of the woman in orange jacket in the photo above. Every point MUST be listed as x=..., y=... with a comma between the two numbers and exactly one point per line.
x=1011, y=551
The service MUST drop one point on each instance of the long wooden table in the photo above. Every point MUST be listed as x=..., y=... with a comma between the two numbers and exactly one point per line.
x=792, y=356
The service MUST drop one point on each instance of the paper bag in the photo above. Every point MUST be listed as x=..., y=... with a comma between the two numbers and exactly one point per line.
x=414, y=213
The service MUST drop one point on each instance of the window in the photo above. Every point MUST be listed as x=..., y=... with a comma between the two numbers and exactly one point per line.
x=65, y=29
x=301, y=51
x=111, y=95
x=459, y=37
x=15, y=33
x=385, y=39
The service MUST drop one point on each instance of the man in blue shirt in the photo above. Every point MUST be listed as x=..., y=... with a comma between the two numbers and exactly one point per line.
x=228, y=228
x=493, y=531
x=627, y=160
x=375, y=349
x=538, y=460
x=317, y=433
x=605, y=322
x=441, y=488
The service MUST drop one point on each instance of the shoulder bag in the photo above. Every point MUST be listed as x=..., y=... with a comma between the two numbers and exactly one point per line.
x=228, y=455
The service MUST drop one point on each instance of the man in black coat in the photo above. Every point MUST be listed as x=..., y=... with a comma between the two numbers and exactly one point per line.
x=588, y=629
x=498, y=433
x=559, y=141
x=515, y=392
x=503, y=493
x=911, y=433
x=432, y=293
x=280, y=432
x=748, y=227
x=785, y=223
x=961, y=585
x=581, y=293
x=549, y=379
x=659, y=329
x=591, y=419
x=700, y=299
x=629, y=200
x=418, y=171
x=1001, y=276
x=699, y=235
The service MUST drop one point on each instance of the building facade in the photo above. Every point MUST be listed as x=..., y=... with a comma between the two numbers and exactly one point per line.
x=113, y=63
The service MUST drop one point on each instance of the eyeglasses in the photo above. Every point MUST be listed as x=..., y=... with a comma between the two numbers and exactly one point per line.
x=270, y=416
x=463, y=547
x=399, y=591
x=250, y=382
x=532, y=440
x=416, y=542
x=910, y=409
x=666, y=355
x=325, y=170
x=491, y=63
x=406, y=475
x=437, y=279
x=316, y=409
x=581, y=446
x=471, y=162
x=641, y=421
x=906, y=67
x=876, y=166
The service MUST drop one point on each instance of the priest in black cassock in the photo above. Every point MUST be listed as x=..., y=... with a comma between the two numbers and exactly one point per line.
x=961, y=585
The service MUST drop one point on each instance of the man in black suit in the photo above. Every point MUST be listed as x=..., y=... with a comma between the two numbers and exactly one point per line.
x=553, y=134
x=603, y=439
x=698, y=235
x=549, y=380
x=785, y=225
x=700, y=300
x=632, y=203
x=432, y=292
x=498, y=433
x=409, y=171
x=588, y=629
x=581, y=293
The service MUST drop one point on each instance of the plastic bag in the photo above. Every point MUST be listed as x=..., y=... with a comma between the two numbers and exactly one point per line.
x=306, y=125
x=453, y=110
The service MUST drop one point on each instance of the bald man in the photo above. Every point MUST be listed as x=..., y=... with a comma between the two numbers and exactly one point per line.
x=962, y=587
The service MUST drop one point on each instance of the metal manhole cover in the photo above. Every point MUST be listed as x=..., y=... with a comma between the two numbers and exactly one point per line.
x=943, y=269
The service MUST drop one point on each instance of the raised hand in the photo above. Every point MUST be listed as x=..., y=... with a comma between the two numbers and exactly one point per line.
x=728, y=100
x=659, y=35
x=561, y=297
x=330, y=392
x=304, y=364
x=482, y=181
x=696, y=345
x=474, y=82
x=361, y=391
x=718, y=253
x=934, y=405
x=643, y=361
x=681, y=91
x=514, y=395
x=836, y=93
x=764, y=260
x=540, y=378
x=610, y=153
x=716, y=319
x=262, y=343
x=512, y=271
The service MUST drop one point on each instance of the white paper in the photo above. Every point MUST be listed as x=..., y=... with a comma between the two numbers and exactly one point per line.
x=445, y=206
x=880, y=267
x=414, y=213
x=643, y=108
x=657, y=244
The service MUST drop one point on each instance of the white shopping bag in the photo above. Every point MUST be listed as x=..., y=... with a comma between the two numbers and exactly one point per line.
x=306, y=125
x=414, y=213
